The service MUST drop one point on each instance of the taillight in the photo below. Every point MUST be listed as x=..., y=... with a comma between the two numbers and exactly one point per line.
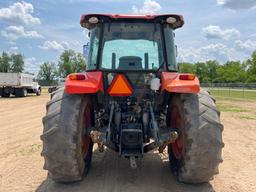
x=120, y=86
x=76, y=76
x=187, y=77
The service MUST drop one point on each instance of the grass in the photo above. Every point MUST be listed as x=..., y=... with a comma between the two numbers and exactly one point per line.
x=242, y=113
x=45, y=89
x=230, y=108
x=248, y=117
x=234, y=94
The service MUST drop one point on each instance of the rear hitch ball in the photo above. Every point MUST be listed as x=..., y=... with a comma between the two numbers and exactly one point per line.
x=96, y=137
x=172, y=138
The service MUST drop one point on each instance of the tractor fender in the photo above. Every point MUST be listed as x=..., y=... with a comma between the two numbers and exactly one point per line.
x=92, y=83
x=171, y=82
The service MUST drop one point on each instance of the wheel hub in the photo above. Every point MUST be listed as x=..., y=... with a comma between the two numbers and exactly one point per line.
x=177, y=146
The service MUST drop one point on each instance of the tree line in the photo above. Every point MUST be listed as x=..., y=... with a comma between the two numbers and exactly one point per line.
x=229, y=72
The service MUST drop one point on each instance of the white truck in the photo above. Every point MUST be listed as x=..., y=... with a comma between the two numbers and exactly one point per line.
x=18, y=84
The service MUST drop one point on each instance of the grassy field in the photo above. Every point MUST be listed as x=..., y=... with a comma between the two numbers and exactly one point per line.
x=45, y=89
x=241, y=108
x=234, y=94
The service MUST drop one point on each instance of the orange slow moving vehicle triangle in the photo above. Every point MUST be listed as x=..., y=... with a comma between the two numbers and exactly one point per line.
x=120, y=86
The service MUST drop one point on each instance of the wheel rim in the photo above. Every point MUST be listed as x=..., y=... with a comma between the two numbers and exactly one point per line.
x=25, y=92
x=177, y=146
x=86, y=139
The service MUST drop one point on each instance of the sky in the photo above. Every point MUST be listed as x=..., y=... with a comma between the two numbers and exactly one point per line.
x=214, y=29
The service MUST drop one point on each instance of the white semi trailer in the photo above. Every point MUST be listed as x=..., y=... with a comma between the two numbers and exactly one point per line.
x=18, y=84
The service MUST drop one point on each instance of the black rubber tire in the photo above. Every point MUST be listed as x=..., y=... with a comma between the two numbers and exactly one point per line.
x=63, y=129
x=49, y=90
x=21, y=92
x=202, y=144
x=52, y=89
x=38, y=93
x=6, y=95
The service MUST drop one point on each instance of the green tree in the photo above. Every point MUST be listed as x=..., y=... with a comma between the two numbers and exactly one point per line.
x=47, y=73
x=5, y=63
x=202, y=72
x=212, y=67
x=17, y=63
x=71, y=62
x=250, y=65
x=231, y=72
x=186, y=68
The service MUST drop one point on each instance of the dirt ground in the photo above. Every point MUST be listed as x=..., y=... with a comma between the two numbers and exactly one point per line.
x=21, y=163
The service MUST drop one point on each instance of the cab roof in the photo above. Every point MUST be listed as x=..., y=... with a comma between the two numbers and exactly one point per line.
x=177, y=20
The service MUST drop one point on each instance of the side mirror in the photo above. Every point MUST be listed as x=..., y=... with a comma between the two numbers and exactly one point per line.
x=86, y=50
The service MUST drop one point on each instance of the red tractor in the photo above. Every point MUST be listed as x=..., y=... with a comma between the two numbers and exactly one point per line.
x=131, y=99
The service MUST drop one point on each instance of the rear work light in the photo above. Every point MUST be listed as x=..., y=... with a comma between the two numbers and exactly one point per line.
x=76, y=76
x=120, y=86
x=171, y=20
x=93, y=20
x=187, y=77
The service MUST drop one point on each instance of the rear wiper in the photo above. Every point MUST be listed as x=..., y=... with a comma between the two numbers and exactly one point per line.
x=109, y=25
x=161, y=66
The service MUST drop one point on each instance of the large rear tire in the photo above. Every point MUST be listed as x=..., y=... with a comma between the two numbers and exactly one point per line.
x=67, y=148
x=196, y=154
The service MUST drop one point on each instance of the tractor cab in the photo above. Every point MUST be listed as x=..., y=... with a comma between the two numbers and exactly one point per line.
x=141, y=46
x=127, y=43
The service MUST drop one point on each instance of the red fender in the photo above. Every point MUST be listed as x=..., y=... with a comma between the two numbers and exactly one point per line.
x=92, y=82
x=171, y=82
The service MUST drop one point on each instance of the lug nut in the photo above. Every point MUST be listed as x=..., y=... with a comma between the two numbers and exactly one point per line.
x=96, y=138
x=173, y=136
